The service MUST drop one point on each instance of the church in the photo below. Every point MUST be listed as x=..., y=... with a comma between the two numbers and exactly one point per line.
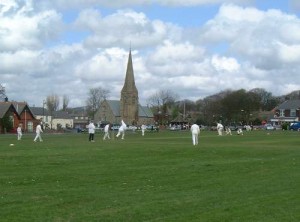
x=128, y=107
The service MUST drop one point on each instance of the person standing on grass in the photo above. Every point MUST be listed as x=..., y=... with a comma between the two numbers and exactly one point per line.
x=121, y=130
x=143, y=128
x=195, y=130
x=19, y=132
x=91, y=127
x=106, y=132
x=220, y=129
x=38, y=131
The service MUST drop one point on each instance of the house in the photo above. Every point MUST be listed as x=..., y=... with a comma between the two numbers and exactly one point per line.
x=7, y=110
x=61, y=120
x=42, y=114
x=19, y=113
x=58, y=120
x=286, y=112
x=80, y=117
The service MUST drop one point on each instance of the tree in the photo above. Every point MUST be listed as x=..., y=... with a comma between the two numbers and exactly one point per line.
x=96, y=96
x=161, y=101
x=52, y=103
x=65, y=101
x=6, y=123
x=267, y=101
x=238, y=105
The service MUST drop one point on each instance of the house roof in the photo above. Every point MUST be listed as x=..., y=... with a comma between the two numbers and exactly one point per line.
x=61, y=115
x=290, y=104
x=4, y=107
x=18, y=107
x=144, y=111
x=40, y=111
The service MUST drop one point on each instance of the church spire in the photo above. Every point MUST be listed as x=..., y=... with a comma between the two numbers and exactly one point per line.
x=129, y=83
x=129, y=96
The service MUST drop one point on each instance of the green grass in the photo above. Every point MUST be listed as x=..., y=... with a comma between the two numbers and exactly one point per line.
x=159, y=177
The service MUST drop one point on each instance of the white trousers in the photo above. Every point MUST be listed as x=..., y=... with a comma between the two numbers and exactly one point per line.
x=195, y=138
x=38, y=136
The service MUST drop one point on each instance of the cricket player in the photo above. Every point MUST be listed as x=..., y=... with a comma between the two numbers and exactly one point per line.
x=220, y=128
x=143, y=128
x=122, y=129
x=195, y=130
x=19, y=132
x=106, y=132
x=91, y=127
x=38, y=131
x=228, y=131
x=240, y=132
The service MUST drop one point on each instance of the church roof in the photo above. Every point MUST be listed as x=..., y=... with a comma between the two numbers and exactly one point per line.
x=144, y=111
x=115, y=106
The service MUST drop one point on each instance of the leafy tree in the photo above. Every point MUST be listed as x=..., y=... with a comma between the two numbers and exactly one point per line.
x=6, y=123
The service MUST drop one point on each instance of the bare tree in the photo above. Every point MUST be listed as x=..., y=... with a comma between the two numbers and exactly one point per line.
x=161, y=101
x=65, y=101
x=52, y=103
x=96, y=96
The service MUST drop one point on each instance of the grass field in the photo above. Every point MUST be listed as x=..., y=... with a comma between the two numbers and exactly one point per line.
x=159, y=177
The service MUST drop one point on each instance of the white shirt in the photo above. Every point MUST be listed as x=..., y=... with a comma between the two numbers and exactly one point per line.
x=195, y=129
x=38, y=129
x=91, y=128
x=219, y=126
x=106, y=128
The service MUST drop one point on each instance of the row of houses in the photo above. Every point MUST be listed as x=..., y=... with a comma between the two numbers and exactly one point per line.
x=19, y=113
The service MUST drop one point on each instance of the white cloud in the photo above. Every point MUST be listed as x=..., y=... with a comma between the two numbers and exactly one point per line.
x=263, y=50
x=225, y=64
x=22, y=29
x=129, y=3
x=124, y=27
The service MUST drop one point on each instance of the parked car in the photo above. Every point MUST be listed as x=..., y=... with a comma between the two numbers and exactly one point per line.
x=115, y=127
x=133, y=128
x=152, y=127
x=174, y=128
x=295, y=126
x=269, y=127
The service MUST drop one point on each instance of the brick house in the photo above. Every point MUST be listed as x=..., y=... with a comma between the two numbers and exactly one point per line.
x=19, y=113
x=286, y=112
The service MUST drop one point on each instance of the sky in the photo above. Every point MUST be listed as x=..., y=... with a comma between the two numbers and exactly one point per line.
x=195, y=48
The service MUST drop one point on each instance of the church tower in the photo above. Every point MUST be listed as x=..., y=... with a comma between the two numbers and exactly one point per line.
x=129, y=103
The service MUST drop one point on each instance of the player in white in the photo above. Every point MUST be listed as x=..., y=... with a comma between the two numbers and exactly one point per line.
x=106, y=132
x=195, y=130
x=19, y=132
x=143, y=128
x=122, y=129
x=220, y=129
x=38, y=131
